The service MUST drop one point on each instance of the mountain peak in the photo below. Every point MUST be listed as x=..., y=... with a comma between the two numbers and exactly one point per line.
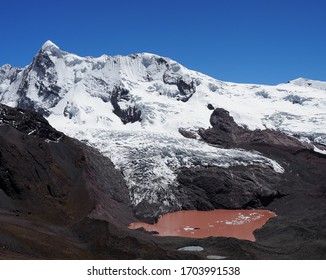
x=49, y=45
x=304, y=82
x=49, y=49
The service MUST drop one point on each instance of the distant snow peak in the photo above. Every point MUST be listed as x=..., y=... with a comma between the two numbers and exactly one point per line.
x=50, y=49
x=48, y=45
x=309, y=83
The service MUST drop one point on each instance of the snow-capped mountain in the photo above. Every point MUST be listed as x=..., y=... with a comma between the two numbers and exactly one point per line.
x=136, y=109
x=309, y=83
x=153, y=92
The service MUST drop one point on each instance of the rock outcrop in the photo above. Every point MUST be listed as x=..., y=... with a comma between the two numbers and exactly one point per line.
x=297, y=195
x=55, y=192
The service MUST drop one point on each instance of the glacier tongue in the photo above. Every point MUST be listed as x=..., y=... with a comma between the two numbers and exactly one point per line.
x=150, y=161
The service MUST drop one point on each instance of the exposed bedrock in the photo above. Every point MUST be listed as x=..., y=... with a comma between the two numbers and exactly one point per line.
x=226, y=132
x=51, y=186
x=186, y=88
x=127, y=113
x=238, y=187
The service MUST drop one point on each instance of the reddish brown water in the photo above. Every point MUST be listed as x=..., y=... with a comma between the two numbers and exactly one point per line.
x=200, y=224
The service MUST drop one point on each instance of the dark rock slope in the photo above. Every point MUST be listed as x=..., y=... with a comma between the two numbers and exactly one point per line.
x=298, y=196
x=60, y=199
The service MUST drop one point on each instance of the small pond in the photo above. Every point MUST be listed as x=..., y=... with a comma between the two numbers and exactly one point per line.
x=200, y=224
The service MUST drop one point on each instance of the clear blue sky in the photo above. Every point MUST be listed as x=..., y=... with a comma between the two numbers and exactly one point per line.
x=250, y=41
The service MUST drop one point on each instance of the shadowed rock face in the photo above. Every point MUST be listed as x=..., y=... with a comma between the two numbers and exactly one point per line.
x=127, y=115
x=230, y=188
x=226, y=133
x=186, y=90
x=44, y=69
x=28, y=122
x=55, y=192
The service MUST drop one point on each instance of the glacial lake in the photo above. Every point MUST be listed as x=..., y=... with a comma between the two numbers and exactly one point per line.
x=239, y=224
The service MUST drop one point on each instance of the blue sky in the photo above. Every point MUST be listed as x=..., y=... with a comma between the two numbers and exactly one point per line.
x=248, y=41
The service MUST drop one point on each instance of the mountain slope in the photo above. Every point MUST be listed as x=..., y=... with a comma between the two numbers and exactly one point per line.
x=137, y=109
x=49, y=185
x=180, y=139
x=62, y=199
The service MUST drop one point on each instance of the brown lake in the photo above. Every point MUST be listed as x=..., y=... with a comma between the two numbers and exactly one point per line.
x=200, y=224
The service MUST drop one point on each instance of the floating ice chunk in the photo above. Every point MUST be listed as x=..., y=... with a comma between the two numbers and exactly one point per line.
x=188, y=228
x=191, y=248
